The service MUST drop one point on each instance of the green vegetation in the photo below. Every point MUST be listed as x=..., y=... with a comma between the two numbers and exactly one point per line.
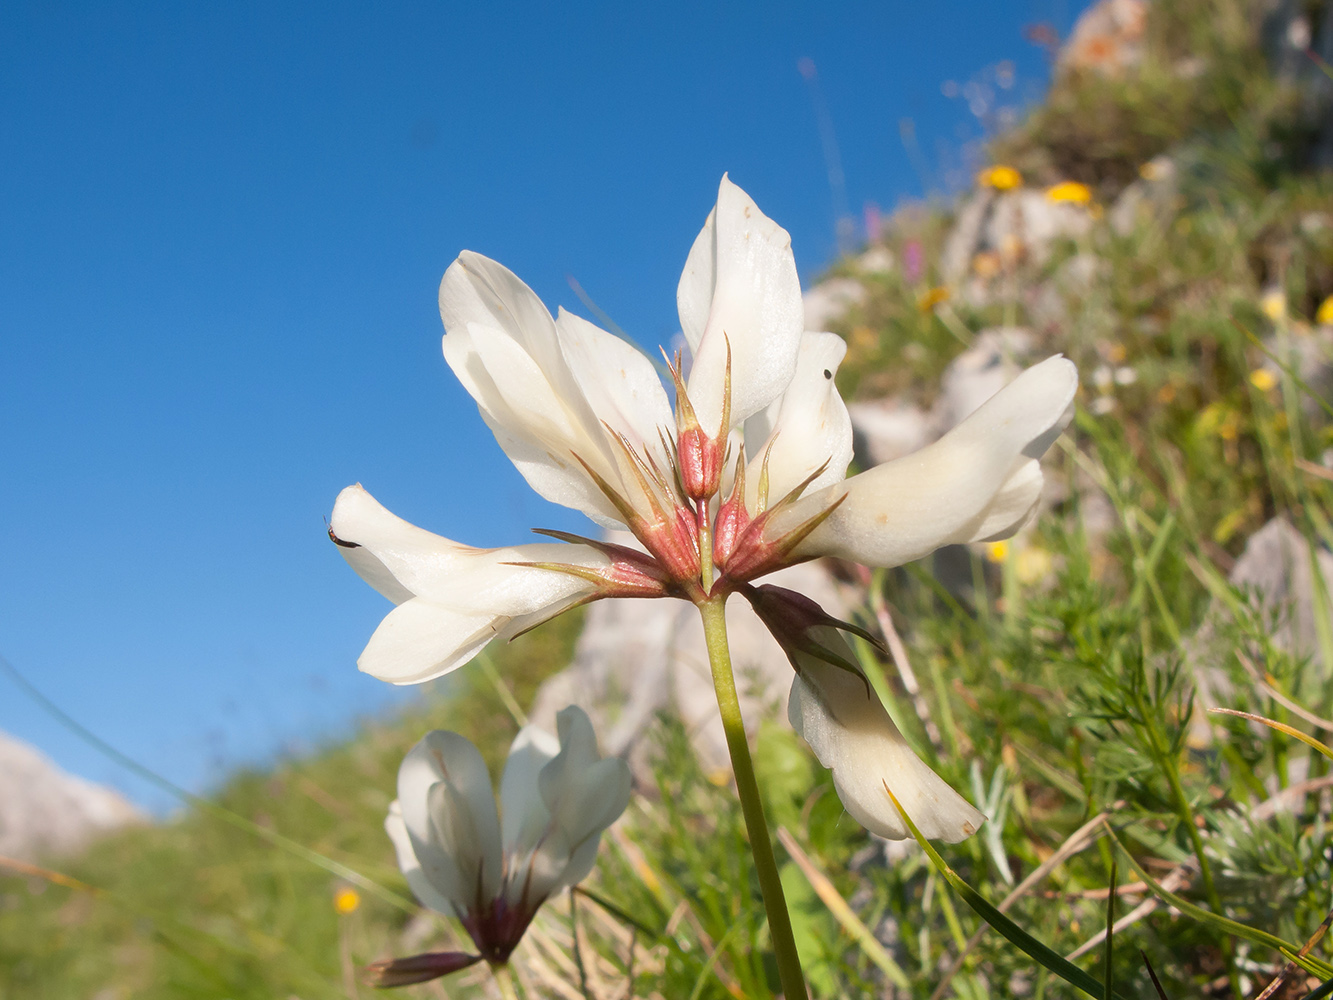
x=1059, y=679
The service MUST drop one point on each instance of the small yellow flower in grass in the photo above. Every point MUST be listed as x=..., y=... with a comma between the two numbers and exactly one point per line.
x=936, y=296
x=997, y=552
x=1069, y=191
x=1263, y=380
x=1033, y=565
x=1001, y=178
x=1229, y=429
x=346, y=900
x=1116, y=353
x=1324, y=314
x=1274, y=304
x=986, y=264
x=864, y=338
x=1155, y=169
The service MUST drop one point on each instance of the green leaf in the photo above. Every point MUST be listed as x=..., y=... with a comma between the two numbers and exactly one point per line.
x=1026, y=943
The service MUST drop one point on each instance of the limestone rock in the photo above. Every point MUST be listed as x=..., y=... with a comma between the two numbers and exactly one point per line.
x=964, y=239
x=1155, y=196
x=1019, y=225
x=1107, y=38
x=636, y=658
x=885, y=429
x=995, y=359
x=1276, y=567
x=45, y=811
x=830, y=300
x=1276, y=570
x=877, y=260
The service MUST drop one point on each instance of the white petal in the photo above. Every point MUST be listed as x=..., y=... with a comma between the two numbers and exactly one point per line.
x=585, y=793
x=448, y=809
x=421, y=886
x=619, y=382
x=523, y=814
x=402, y=561
x=476, y=289
x=420, y=640
x=809, y=426
x=694, y=293
x=840, y=716
x=741, y=265
x=502, y=345
x=978, y=480
x=465, y=597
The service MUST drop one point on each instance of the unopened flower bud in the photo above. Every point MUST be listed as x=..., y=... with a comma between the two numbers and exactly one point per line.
x=732, y=517
x=417, y=968
x=700, y=463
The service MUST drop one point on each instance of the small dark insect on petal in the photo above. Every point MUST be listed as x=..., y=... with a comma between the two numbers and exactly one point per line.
x=338, y=541
x=828, y=374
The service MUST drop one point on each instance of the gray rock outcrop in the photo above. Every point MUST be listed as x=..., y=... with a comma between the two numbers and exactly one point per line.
x=45, y=811
x=636, y=658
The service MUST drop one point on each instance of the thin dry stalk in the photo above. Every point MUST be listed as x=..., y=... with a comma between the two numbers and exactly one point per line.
x=1255, y=675
x=1175, y=879
x=1291, y=967
x=898, y=653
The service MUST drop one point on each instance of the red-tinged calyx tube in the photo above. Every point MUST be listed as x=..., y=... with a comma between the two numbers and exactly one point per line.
x=732, y=518
x=701, y=455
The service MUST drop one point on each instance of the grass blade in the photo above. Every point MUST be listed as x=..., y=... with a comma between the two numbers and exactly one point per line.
x=1024, y=941
x=1281, y=727
x=1311, y=965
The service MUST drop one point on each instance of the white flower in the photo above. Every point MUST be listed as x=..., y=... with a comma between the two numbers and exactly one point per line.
x=838, y=713
x=493, y=869
x=585, y=419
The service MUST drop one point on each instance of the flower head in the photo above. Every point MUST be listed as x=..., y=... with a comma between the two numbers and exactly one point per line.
x=1001, y=178
x=492, y=869
x=1069, y=191
x=743, y=474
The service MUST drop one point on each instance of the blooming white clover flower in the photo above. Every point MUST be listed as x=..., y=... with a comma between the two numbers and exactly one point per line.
x=493, y=869
x=744, y=474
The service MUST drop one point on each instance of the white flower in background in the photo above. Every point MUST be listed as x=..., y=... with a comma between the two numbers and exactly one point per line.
x=493, y=869
x=744, y=474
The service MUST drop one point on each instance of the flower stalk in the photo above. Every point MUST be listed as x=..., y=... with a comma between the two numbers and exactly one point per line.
x=790, y=975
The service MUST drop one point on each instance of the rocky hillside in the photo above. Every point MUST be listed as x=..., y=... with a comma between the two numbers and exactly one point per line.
x=45, y=812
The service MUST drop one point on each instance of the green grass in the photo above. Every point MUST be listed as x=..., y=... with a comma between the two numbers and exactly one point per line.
x=1060, y=680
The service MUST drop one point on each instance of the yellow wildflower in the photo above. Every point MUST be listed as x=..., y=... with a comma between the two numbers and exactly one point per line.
x=1001, y=178
x=997, y=552
x=1274, y=304
x=1324, y=314
x=346, y=900
x=1263, y=380
x=1033, y=565
x=936, y=296
x=986, y=264
x=1069, y=191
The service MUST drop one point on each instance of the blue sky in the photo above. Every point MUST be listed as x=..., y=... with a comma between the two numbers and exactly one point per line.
x=222, y=229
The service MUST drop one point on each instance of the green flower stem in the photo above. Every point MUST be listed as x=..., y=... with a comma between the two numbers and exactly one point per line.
x=775, y=904
x=504, y=981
